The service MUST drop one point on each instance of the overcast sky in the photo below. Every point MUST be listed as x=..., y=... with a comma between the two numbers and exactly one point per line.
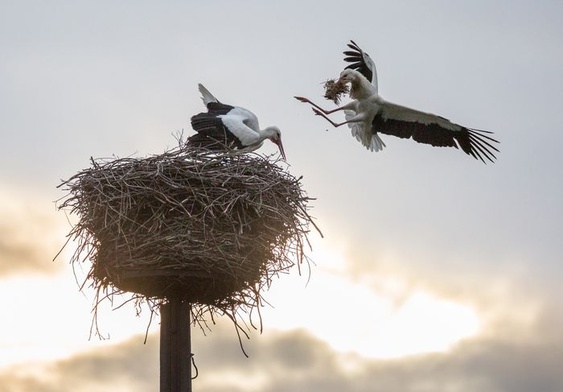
x=436, y=273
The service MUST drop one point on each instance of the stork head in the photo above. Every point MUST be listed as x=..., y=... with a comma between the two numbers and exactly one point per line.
x=274, y=134
x=359, y=86
x=349, y=76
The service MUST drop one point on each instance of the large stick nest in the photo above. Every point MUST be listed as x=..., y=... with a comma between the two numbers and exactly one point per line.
x=212, y=229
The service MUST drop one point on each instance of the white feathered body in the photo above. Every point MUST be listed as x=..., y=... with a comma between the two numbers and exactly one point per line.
x=365, y=106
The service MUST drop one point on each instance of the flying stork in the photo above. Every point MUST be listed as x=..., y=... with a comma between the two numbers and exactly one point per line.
x=368, y=114
x=226, y=127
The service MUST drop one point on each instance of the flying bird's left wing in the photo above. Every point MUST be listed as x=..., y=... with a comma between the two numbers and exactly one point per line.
x=431, y=129
x=361, y=62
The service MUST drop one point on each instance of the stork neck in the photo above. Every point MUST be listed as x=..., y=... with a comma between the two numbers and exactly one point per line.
x=267, y=132
x=361, y=88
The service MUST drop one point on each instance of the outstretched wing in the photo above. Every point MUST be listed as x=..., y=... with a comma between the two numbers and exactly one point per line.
x=361, y=62
x=431, y=129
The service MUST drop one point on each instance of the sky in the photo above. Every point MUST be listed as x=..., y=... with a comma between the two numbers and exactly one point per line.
x=436, y=272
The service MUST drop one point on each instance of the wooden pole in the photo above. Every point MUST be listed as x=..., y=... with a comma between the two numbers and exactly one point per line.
x=175, y=346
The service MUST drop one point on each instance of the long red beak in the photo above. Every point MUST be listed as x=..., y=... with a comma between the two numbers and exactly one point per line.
x=280, y=146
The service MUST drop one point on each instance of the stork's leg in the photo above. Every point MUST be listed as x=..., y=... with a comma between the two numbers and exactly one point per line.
x=357, y=118
x=307, y=100
x=335, y=125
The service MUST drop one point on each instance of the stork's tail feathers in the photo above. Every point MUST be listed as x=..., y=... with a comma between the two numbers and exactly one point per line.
x=376, y=144
x=371, y=141
x=206, y=96
x=364, y=135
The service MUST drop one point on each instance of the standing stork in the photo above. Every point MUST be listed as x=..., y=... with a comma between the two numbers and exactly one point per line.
x=226, y=127
x=368, y=114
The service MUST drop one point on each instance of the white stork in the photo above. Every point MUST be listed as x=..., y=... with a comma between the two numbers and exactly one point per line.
x=226, y=127
x=369, y=114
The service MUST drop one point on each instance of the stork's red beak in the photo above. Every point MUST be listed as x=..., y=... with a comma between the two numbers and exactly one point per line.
x=280, y=146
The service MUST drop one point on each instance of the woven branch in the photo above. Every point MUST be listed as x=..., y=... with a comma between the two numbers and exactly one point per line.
x=213, y=229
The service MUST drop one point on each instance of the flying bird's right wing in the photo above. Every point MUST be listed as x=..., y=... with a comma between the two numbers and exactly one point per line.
x=427, y=128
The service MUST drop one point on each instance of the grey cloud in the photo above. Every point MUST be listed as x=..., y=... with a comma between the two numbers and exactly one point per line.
x=126, y=366
x=296, y=361
x=28, y=243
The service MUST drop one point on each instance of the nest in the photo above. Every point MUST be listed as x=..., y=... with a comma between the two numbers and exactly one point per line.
x=334, y=89
x=211, y=229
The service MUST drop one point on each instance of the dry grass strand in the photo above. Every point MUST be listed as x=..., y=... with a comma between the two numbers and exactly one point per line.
x=334, y=89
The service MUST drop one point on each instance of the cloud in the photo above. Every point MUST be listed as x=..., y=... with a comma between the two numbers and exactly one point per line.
x=30, y=236
x=130, y=365
x=297, y=361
